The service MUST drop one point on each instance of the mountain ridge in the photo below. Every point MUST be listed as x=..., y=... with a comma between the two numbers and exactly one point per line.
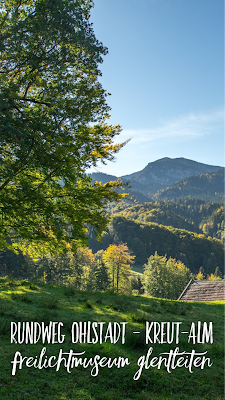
x=161, y=174
x=167, y=171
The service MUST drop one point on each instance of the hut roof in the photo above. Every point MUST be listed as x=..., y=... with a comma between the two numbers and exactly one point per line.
x=203, y=291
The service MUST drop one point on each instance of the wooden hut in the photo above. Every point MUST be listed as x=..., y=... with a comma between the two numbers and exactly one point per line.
x=203, y=291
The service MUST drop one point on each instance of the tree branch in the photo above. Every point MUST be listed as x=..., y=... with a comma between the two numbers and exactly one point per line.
x=36, y=101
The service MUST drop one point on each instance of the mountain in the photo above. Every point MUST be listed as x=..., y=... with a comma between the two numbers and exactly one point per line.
x=207, y=187
x=162, y=173
x=104, y=178
x=137, y=191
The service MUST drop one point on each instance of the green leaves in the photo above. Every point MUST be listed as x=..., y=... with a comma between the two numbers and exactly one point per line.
x=52, y=125
x=165, y=278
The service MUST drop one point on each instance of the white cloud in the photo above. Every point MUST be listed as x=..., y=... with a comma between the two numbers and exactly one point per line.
x=184, y=127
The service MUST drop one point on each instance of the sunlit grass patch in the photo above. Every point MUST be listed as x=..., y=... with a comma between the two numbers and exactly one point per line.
x=53, y=303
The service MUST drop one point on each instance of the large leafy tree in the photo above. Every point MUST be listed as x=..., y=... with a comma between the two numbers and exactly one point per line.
x=53, y=126
x=165, y=278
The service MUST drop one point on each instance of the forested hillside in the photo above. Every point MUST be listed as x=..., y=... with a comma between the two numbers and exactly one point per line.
x=214, y=224
x=208, y=187
x=188, y=229
x=144, y=239
x=191, y=214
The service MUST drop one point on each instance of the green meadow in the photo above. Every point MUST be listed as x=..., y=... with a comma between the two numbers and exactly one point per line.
x=23, y=301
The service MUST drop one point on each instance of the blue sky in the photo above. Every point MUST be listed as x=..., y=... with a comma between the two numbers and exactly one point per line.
x=165, y=73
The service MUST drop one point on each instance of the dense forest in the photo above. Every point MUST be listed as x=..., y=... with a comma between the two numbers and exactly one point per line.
x=191, y=214
x=189, y=230
x=144, y=239
x=208, y=187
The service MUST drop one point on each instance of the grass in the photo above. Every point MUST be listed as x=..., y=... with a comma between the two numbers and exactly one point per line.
x=24, y=301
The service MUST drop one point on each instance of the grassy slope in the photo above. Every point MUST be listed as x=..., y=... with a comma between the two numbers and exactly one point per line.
x=25, y=302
